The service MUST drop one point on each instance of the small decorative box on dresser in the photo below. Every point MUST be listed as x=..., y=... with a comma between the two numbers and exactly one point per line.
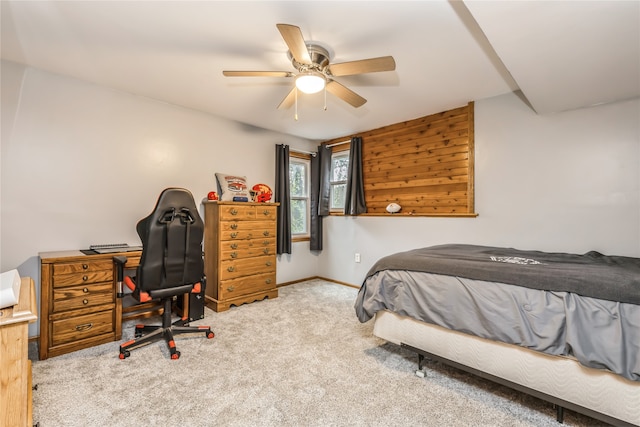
x=78, y=304
x=239, y=253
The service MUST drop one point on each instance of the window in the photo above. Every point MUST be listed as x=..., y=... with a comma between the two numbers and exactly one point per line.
x=299, y=187
x=338, y=179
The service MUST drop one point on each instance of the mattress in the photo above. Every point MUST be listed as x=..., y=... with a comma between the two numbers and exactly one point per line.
x=600, y=334
x=562, y=377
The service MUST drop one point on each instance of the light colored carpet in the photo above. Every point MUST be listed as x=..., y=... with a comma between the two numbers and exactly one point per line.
x=302, y=359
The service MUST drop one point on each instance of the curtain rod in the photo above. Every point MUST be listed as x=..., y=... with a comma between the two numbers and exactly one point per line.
x=339, y=143
x=295, y=150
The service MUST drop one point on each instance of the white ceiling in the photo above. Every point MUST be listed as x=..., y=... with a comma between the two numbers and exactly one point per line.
x=562, y=55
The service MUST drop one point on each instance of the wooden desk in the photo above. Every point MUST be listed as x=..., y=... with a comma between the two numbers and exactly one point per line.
x=78, y=304
x=15, y=366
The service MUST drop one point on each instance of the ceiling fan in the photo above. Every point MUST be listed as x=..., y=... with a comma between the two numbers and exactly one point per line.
x=314, y=70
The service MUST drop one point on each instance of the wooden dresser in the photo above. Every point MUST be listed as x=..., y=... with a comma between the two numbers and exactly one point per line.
x=15, y=366
x=78, y=304
x=239, y=253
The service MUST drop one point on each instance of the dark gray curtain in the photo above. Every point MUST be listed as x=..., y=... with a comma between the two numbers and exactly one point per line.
x=324, y=157
x=354, y=203
x=281, y=195
x=320, y=190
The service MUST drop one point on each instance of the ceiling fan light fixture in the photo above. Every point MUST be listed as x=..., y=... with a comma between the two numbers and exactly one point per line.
x=310, y=81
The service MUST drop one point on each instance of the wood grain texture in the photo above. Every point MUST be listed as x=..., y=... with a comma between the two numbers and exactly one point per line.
x=425, y=165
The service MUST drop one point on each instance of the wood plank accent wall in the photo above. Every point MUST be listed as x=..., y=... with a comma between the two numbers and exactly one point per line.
x=426, y=165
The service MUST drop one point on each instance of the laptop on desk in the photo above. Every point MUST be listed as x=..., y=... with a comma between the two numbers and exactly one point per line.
x=116, y=249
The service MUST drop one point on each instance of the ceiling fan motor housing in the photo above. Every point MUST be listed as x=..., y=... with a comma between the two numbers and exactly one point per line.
x=319, y=59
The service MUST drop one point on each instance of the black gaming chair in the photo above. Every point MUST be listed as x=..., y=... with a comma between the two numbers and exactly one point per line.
x=171, y=264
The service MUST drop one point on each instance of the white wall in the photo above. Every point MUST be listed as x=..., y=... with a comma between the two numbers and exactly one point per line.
x=81, y=164
x=567, y=182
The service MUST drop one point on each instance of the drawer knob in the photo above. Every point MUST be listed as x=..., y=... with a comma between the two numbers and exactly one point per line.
x=266, y=212
x=268, y=263
x=265, y=233
x=265, y=242
x=231, y=269
x=85, y=290
x=234, y=226
x=231, y=288
x=234, y=211
x=85, y=266
x=234, y=254
x=84, y=327
x=265, y=250
x=85, y=278
x=268, y=281
x=234, y=235
x=85, y=301
x=234, y=246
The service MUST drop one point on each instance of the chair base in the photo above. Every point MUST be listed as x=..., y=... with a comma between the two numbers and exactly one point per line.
x=145, y=334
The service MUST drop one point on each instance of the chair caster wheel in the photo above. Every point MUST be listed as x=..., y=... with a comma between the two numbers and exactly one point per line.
x=210, y=334
x=124, y=354
x=176, y=355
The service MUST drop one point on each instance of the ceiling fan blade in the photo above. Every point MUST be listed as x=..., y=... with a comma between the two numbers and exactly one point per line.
x=345, y=94
x=288, y=100
x=293, y=38
x=258, y=73
x=372, y=65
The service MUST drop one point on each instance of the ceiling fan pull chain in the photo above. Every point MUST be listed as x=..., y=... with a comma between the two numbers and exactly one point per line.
x=325, y=97
x=295, y=115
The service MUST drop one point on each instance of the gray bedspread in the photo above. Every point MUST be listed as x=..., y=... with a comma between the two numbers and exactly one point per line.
x=584, y=306
x=613, y=278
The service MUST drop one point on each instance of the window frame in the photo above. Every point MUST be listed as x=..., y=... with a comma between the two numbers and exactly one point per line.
x=336, y=152
x=304, y=159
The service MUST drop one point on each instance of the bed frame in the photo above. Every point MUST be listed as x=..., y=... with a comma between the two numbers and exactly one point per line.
x=562, y=381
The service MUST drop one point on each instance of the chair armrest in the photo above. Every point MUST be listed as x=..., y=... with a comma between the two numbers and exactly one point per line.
x=119, y=262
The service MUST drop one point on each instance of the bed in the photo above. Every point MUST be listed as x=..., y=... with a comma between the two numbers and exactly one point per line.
x=562, y=327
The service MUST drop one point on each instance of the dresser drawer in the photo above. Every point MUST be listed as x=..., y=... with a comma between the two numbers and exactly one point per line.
x=246, y=285
x=249, y=252
x=266, y=212
x=232, y=245
x=72, y=297
x=237, y=212
x=82, y=267
x=80, y=327
x=247, y=267
x=246, y=225
x=262, y=233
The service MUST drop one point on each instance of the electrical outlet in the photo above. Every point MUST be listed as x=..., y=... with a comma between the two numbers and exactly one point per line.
x=357, y=257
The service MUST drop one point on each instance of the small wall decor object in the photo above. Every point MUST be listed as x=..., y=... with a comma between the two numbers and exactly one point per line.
x=393, y=208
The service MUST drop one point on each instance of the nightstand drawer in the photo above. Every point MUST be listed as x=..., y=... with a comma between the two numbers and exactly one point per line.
x=80, y=327
x=73, y=297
